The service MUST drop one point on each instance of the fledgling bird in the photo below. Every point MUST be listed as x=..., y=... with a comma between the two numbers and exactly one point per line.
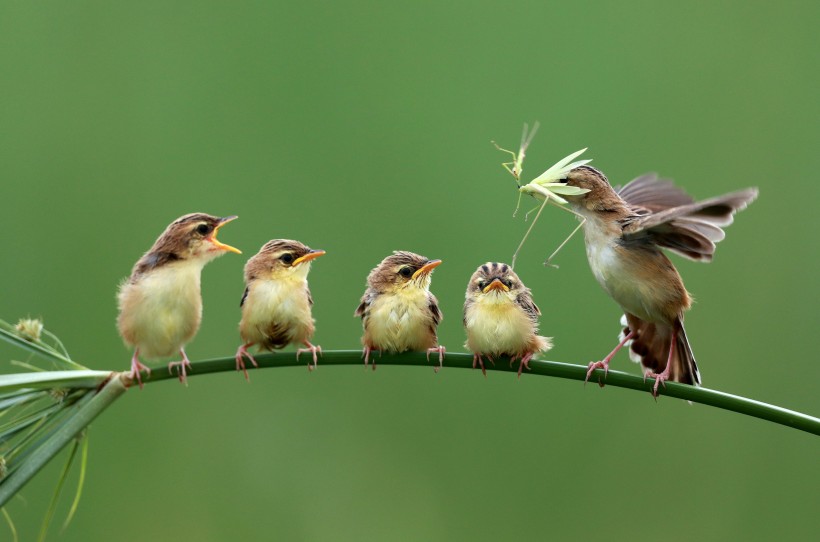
x=397, y=309
x=160, y=303
x=276, y=305
x=501, y=317
x=625, y=231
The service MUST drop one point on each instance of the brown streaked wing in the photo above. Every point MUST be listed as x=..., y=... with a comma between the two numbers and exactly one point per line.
x=363, y=307
x=653, y=193
x=434, y=310
x=526, y=302
x=690, y=230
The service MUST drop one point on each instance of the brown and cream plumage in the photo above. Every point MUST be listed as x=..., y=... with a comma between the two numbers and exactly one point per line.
x=276, y=305
x=501, y=318
x=397, y=309
x=625, y=231
x=160, y=306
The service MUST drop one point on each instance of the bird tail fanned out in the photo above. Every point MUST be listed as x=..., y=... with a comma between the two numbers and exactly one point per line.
x=649, y=346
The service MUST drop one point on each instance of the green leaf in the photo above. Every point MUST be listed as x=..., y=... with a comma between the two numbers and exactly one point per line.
x=10, y=524
x=52, y=506
x=54, y=379
x=80, y=483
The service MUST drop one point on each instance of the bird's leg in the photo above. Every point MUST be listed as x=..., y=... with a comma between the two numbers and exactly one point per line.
x=512, y=360
x=366, y=355
x=181, y=365
x=604, y=363
x=136, y=367
x=663, y=376
x=313, y=350
x=240, y=363
x=525, y=363
x=441, y=350
x=477, y=360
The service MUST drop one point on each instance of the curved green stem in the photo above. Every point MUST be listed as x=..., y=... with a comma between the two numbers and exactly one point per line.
x=726, y=401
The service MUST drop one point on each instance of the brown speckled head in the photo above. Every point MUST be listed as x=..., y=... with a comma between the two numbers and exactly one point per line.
x=601, y=195
x=279, y=255
x=500, y=281
x=494, y=276
x=190, y=237
x=401, y=269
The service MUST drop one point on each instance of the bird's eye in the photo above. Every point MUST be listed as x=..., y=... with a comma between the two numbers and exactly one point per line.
x=287, y=257
x=406, y=272
x=482, y=284
x=507, y=283
x=203, y=229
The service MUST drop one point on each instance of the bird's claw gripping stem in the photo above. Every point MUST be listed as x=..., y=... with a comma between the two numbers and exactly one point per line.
x=441, y=350
x=313, y=350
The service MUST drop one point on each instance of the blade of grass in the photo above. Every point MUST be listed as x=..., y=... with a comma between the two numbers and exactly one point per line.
x=10, y=524
x=80, y=483
x=87, y=408
x=54, y=379
x=8, y=400
x=52, y=505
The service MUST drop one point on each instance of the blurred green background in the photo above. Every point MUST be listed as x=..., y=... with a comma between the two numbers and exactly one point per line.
x=365, y=127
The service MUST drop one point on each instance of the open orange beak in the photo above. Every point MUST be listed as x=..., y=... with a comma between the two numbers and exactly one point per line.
x=496, y=284
x=426, y=268
x=312, y=255
x=218, y=244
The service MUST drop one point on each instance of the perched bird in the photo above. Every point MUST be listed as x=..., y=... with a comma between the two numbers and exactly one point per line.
x=397, y=309
x=625, y=231
x=276, y=305
x=160, y=303
x=501, y=317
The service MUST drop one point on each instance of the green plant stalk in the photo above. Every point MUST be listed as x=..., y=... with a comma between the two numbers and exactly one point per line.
x=706, y=396
x=87, y=409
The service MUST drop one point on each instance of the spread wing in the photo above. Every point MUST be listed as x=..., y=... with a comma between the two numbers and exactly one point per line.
x=653, y=193
x=690, y=230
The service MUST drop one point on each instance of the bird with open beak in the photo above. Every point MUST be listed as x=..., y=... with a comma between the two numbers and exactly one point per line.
x=501, y=317
x=276, y=305
x=625, y=232
x=160, y=303
x=397, y=309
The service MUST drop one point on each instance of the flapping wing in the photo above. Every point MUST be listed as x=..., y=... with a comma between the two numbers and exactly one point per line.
x=690, y=230
x=653, y=193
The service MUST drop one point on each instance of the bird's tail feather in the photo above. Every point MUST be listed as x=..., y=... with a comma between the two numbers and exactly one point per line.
x=649, y=346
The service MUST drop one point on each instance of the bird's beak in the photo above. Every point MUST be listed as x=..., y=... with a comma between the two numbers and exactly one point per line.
x=426, y=268
x=218, y=244
x=312, y=255
x=496, y=284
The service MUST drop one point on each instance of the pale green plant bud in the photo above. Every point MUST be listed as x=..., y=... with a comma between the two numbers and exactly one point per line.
x=29, y=328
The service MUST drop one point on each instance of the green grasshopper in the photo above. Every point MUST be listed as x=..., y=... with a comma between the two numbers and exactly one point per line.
x=546, y=187
x=516, y=167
